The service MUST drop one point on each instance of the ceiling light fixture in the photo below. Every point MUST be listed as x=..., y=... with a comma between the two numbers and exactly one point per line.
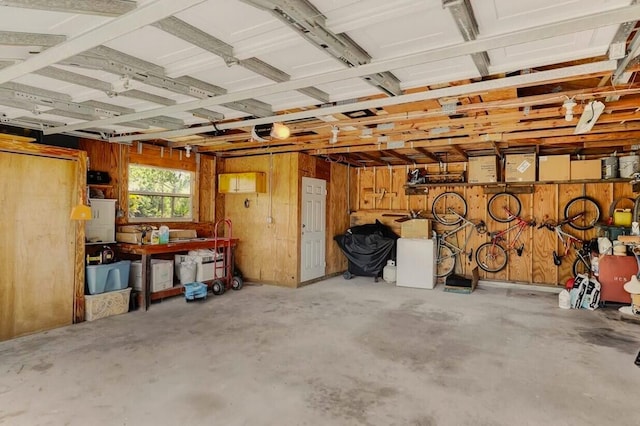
x=589, y=117
x=568, y=105
x=261, y=132
x=188, y=149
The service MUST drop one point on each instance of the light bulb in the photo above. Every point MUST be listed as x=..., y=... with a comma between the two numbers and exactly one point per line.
x=280, y=131
x=187, y=148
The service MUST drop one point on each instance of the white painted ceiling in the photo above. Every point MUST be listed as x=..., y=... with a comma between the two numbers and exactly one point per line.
x=385, y=30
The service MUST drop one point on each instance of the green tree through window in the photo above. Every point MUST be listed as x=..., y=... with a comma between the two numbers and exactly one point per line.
x=159, y=193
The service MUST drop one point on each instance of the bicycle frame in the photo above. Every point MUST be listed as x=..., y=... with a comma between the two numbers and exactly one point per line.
x=520, y=225
x=442, y=238
x=569, y=241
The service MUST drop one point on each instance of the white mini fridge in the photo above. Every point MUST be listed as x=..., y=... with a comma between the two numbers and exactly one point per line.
x=415, y=262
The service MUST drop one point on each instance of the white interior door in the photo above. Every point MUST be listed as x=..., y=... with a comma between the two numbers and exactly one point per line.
x=314, y=195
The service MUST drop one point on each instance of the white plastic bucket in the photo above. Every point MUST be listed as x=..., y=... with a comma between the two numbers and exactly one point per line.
x=187, y=272
x=628, y=165
x=564, y=300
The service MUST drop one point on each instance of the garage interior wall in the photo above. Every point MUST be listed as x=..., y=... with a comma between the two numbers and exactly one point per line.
x=42, y=250
x=381, y=191
x=267, y=252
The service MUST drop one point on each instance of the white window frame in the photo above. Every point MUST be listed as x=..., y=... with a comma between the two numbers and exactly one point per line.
x=192, y=196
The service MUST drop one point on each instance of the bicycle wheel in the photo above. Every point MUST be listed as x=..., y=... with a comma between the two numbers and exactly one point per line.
x=504, y=207
x=491, y=257
x=586, y=209
x=581, y=265
x=449, y=208
x=636, y=210
x=445, y=262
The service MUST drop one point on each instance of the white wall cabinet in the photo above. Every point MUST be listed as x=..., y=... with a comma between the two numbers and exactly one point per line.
x=102, y=226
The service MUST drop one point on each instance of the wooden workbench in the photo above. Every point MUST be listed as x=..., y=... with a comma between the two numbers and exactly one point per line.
x=146, y=251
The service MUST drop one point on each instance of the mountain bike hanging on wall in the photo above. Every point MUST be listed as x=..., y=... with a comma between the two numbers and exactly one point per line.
x=448, y=209
x=581, y=213
x=493, y=256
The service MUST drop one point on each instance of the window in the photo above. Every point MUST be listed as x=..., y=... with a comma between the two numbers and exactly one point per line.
x=160, y=194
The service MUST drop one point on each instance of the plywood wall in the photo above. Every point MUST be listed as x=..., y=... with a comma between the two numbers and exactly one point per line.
x=267, y=251
x=42, y=268
x=381, y=192
x=270, y=252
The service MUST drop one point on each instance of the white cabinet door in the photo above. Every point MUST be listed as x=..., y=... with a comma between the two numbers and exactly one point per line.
x=102, y=226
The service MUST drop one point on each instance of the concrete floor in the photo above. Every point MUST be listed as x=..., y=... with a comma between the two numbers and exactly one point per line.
x=335, y=352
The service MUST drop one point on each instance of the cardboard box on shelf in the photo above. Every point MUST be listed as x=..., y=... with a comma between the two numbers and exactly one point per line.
x=554, y=168
x=130, y=237
x=416, y=228
x=520, y=168
x=182, y=234
x=586, y=169
x=483, y=169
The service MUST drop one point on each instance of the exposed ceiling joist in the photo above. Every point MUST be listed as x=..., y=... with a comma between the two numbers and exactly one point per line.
x=197, y=37
x=427, y=154
x=611, y=17
x=632, y=53
x=466, y=21
x=405, y=158
x=13, y=38
x=310, y=23
x=144, y=15
x=514, y=81
x=371, y=159
x=89, y=7
x=75, y=78
x=110, y=60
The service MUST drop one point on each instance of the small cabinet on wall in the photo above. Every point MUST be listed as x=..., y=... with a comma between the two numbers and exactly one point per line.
x=102, y=226
x=236, y=183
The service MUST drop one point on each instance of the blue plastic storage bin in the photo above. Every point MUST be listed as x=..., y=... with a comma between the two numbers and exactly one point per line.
x=108, y=277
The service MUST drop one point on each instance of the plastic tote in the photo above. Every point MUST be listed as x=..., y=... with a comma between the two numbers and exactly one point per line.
x=187, y=272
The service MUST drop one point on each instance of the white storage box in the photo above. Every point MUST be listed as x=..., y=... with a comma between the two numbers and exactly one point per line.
x=204, y=260
x=415, y=263
x=106, y=304
x=161, y=275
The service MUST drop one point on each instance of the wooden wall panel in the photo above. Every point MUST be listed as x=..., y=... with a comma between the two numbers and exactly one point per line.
x=337, y=217
x=476, y=212
x=547, y=202
x=519, y=267
x=207, y=189
x=267, y=252
x=400, y=200
x=545, y=205
x=42, y=266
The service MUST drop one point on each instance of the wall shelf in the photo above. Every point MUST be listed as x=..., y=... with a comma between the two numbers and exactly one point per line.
x=515, y=187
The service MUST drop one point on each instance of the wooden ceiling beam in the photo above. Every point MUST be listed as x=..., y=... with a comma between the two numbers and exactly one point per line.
x=392, y=153
x=415, y=116
x=372, y=159
x=427, y=154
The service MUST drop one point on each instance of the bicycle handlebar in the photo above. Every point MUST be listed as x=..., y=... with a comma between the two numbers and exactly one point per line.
x=549, y=226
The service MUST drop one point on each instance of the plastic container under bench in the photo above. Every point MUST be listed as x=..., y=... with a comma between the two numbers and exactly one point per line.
x=161, y=275
x=106, y=304
x=107, y=277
